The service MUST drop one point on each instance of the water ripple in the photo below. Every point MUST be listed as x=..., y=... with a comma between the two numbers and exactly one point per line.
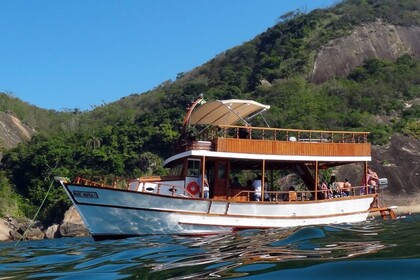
x=245, y=254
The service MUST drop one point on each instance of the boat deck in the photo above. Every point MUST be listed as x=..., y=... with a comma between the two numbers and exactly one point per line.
x=288, y=142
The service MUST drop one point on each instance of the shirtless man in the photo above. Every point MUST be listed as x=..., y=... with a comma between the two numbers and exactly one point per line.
x=373, y=182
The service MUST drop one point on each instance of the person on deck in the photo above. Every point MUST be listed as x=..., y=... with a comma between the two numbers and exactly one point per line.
x=257, y=185
x=332, y=186
x=235, y=183
x=266, y=194
x=206, y=187
x=373, y=181
x=346, y=187
x=325, y=193
x=373, y=184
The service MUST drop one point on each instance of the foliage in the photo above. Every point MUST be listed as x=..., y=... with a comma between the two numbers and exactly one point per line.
x=11, y=204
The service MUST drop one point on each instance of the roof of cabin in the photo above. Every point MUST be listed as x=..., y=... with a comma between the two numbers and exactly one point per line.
x=226, y=112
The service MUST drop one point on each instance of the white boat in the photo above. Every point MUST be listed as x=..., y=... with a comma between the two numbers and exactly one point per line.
x=225, y=144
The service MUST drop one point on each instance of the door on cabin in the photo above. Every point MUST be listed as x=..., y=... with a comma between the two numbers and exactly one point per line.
x=221, y=179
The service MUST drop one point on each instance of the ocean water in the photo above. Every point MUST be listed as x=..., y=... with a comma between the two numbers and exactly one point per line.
x=374, y=249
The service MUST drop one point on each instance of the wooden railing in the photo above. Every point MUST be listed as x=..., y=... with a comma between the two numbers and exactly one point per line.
x=294, y=135
x=286, y=196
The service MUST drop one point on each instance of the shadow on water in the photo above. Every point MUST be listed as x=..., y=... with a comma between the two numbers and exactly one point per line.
x=364, y=250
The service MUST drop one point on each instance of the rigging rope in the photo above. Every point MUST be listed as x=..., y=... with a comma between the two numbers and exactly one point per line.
x=36, y=214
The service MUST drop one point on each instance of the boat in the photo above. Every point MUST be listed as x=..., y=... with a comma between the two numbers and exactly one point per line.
x=217, y=142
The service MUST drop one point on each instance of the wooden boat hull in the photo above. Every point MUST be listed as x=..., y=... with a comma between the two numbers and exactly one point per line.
x=115, y=213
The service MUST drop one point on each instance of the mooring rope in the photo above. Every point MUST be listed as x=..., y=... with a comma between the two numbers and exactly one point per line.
x=36, y=214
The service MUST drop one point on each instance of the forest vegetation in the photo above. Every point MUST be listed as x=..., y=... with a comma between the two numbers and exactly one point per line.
x=132, y=136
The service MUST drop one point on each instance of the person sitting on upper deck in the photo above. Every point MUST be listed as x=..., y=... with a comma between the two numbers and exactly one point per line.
x=243, y=133
x=257, y=185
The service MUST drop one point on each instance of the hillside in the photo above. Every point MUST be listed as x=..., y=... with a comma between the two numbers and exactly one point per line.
x=355, y=66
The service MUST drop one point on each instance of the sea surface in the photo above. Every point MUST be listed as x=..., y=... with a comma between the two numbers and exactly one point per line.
x=374, y=249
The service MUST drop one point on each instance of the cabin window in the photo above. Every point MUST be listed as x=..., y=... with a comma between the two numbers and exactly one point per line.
x=194, y=167
x=221, y=170
x=176, y=170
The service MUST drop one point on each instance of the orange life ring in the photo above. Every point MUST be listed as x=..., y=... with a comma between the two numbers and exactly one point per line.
x=193, y=188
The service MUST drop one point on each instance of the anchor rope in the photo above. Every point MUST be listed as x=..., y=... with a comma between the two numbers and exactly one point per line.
x=52, y=169
x=36, y=214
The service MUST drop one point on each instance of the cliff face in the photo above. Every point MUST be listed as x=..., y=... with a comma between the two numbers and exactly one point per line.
x=399, y=161
x=13, y=131
x=374, y=40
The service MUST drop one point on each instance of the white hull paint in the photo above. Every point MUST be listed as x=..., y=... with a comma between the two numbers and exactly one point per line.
x=112, y=213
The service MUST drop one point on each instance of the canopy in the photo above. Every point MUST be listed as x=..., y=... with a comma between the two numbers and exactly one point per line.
x=226, y=112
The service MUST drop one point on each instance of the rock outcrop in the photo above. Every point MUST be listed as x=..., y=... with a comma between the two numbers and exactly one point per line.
x=73, y=224
x=13, y=131
x=398, y=161
x=374, y=40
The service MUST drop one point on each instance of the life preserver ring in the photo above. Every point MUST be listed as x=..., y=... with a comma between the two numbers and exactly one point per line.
x=193, y=188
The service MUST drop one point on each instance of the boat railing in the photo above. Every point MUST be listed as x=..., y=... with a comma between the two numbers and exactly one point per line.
x=153, y=184
x=290, y=196
x=279, y=134
x=102, y=181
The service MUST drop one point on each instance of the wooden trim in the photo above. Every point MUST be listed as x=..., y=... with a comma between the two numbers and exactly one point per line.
x=273, y=147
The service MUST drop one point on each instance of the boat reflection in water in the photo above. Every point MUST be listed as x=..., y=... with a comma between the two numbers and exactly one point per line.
x=253, y=250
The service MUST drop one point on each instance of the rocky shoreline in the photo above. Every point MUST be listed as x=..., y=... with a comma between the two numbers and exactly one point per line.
x=12, y=229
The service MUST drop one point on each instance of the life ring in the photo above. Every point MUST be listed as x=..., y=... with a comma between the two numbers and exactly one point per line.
x=193, y=188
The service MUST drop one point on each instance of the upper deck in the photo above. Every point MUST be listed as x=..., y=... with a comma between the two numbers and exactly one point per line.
x=274, y=141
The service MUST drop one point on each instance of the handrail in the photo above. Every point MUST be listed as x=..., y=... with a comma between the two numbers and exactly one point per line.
x=301, y=195
x=283, y=134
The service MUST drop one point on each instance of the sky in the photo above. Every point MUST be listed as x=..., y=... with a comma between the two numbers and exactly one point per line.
x=66, y=54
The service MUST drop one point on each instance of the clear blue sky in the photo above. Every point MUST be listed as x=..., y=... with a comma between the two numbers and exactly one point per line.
x=59, y=54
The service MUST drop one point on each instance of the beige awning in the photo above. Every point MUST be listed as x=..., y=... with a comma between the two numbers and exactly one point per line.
x=226, y=112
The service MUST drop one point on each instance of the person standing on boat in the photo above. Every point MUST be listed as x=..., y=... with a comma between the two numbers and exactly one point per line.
x=325, y=193
x=205, y=185
x=373, y=180
x=332, y=186
x=266, y=194
x=257, y=185
x=346, y=187
x=373, y=184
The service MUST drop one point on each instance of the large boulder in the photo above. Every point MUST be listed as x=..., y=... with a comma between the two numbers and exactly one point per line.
x=73, y=224
x=52, y=232
x=4, y=231
x=371, y=40
x=18, y=229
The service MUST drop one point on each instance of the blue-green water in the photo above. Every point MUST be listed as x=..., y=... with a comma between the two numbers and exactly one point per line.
x=369, y=250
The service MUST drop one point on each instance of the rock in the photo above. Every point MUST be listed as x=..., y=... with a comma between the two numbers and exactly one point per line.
x=372, y=40
x=52, y=232
x=34, y=234
x=73, y=224
x=72, y=216
x=73, y=230
x=15, y=235
x=4, y=231
x=398, y=161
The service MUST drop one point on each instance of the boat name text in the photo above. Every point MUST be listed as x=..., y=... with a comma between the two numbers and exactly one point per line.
x=85, y=194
